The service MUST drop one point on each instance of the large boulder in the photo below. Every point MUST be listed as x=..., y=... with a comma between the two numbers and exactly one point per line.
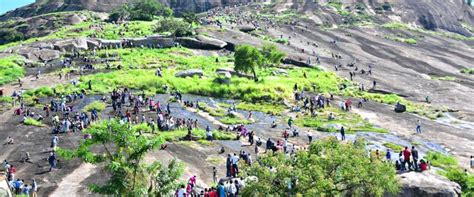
x=212, y=41
x=190, y=73
x=70, y=45
x=154, y=40
x=201, y=42
x=400, y=108
x=427, y=184
x=37, y=54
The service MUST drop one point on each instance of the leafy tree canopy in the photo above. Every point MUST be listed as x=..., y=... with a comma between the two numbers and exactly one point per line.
x=328, y=168
x=121, y=147
x=144, y=10
x=175, y=26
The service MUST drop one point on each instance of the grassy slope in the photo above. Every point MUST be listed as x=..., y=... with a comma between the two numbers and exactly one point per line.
x=10, y=69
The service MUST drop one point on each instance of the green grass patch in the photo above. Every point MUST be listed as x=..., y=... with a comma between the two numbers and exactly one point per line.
x=441, y=160
x=468, y=71
x=178, y=134
x=445, y=78
x=452, y=171
x=33, y=122
x=215, y=160
x=268, y=89
x=232, y=120
x=392, y=146
x=97, y=105
x=352, y=122
x=396, y=25
x=6, y=99
x=10, y=69
x=411, y=41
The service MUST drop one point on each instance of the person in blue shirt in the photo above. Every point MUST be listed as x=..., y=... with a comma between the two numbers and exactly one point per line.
x=26, y=190
x=221, y=190
x=388, y=156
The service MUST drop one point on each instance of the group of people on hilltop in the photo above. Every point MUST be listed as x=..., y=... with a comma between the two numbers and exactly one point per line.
x=408, y=160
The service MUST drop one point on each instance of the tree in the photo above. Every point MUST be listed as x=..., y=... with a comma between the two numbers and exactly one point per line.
x=120, y=14
x=122, y=147
x=175, y=26
x=328, y=168
x=271, y=54
x=10, y=35
x=141, y=10
x=190, y=17
x=247, y=59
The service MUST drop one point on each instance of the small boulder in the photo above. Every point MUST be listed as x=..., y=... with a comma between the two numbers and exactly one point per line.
x=190, y=73
x=77, y=44
x=246, y=28
x=280, y=72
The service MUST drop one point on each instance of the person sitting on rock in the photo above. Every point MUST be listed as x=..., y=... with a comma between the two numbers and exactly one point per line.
x=423, y=165
x=9, y=140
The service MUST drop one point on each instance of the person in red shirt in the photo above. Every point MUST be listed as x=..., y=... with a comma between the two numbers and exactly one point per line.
x=406, y=157
x=212, y=192
x=423, y=165
x=12, y=172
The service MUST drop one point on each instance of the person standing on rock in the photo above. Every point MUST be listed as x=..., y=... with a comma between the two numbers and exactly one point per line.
x=388, y=155
x=414, y=155
x=406, y=158
x=374, y=84
x=214, y=174
x=472, y=162
x=228, y=166
x=343, y=133
x=310, y=137
x=418, y=126
x=89, y=84
x=34, y=188
x=52, y=161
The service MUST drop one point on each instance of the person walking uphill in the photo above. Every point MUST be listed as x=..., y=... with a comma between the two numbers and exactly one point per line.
x=418, y=126
x=290, y=122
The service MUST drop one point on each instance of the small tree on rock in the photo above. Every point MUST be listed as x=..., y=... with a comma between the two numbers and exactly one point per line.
x=248, y=59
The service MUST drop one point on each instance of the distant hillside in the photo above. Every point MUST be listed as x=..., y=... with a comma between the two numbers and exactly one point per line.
x=453, y=15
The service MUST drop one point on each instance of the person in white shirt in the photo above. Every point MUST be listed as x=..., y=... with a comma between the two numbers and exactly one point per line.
x=235, y=159
x=232, y=189
x=181, y=192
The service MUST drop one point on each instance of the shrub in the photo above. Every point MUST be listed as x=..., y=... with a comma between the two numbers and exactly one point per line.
x=33, y=122
x=176, y=27
x=144, y=10
x=8, y=35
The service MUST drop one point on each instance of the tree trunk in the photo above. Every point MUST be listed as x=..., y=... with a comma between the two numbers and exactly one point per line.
x=255, y=78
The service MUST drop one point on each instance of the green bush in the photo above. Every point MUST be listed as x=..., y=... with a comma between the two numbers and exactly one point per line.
x=8, y=35
x=468, y=71
x=33, y=122
x=441, y=160
x=463, y=178
x=175, y=26
x=144, y=10
x=411, y=41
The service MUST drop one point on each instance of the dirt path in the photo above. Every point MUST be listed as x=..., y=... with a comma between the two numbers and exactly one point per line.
x=71, y=184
